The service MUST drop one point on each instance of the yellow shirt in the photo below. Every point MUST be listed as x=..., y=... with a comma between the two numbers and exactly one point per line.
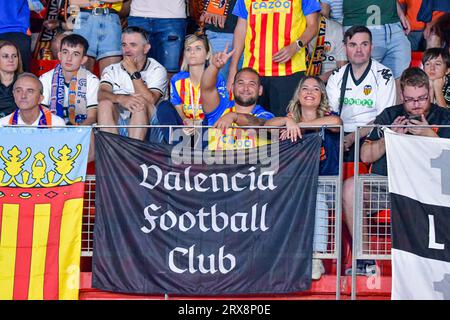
x=100, y=4
x=272, y=25
x=234, y=138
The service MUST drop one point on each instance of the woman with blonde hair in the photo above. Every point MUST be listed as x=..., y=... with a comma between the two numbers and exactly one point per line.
x=10, y=68
x=185, y=106
x=185, y=85
x=309, y=107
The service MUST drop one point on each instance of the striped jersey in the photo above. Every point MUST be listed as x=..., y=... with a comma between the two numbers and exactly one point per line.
x=234, y=138
x=183, y=93
x=271, y=26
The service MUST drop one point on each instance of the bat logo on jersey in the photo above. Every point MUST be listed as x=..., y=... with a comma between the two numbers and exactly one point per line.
x=367, y=89
x=386, y=74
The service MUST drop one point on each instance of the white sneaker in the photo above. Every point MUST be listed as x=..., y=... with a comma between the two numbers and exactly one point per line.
x=317, y=269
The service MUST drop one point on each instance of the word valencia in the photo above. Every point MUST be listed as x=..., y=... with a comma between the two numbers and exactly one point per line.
x=152, y=176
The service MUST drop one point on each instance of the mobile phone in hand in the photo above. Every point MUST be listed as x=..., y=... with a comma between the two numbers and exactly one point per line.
x=417, y=117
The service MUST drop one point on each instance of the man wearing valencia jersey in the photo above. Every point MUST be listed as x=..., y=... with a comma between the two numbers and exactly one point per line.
x=222, y=113
x=360, y=90
x=273, y=35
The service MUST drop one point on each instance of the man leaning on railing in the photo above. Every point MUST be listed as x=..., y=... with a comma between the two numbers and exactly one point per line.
x=416, y=110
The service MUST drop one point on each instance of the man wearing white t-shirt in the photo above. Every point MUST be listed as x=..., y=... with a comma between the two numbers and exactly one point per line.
x=129, y=90
x=360, y=90
x=27, y=93
x=70, y=90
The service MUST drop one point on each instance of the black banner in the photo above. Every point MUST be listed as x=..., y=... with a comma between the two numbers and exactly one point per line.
x=167, y=225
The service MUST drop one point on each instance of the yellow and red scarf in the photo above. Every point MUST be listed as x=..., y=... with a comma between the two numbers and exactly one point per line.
x=315, y=58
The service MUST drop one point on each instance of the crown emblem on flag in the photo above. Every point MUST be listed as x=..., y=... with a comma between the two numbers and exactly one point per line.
x=14, y=173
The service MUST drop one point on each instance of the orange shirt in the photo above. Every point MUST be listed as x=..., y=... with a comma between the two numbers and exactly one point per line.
x=412, y=9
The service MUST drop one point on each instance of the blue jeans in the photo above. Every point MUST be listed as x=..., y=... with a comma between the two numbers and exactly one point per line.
x=391, y=47
x=166, y=38
x=218, y=42
x=165, y=115
x=102, y=32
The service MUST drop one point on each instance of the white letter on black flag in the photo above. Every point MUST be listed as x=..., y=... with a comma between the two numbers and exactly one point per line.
x=420, y=215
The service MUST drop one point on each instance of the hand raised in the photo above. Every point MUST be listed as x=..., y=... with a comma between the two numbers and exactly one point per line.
x=220, y=59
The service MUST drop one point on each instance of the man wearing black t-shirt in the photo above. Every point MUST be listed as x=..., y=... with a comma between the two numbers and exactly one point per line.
x=416, y=109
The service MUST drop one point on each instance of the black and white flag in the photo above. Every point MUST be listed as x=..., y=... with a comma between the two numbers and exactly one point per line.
x=419, y=184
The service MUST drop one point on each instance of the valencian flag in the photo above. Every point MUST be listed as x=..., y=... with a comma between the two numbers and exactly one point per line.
x=188, y=225
x=419, y=184
x=42, y=173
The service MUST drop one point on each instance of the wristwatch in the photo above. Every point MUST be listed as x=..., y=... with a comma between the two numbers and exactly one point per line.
x=136, y=75
x=299, y=44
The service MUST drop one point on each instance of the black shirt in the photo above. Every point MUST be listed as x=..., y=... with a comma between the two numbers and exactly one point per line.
x=7, y=104
x=436, y=115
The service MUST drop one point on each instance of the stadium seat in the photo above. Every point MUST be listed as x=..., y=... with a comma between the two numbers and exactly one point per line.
x=39, y=67
x=383, y=216
x=416, y=59
x=349, y=169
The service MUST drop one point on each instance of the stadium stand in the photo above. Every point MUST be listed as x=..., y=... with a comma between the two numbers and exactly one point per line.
x=374, y=241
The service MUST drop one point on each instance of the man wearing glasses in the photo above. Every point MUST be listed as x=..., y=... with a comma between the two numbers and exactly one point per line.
x=416, y=110
x=28, y=96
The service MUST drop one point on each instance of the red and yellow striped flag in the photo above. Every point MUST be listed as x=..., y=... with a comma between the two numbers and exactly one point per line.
x=40, y=242
x=41, y=207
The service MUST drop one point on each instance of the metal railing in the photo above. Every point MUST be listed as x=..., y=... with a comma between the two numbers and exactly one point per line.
x=373, y=234
x=327, y=237
x=87, y=231
x=371, y=212
x=329, y=199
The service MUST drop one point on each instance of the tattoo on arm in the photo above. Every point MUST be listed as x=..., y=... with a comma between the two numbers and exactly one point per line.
x=249, y=120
